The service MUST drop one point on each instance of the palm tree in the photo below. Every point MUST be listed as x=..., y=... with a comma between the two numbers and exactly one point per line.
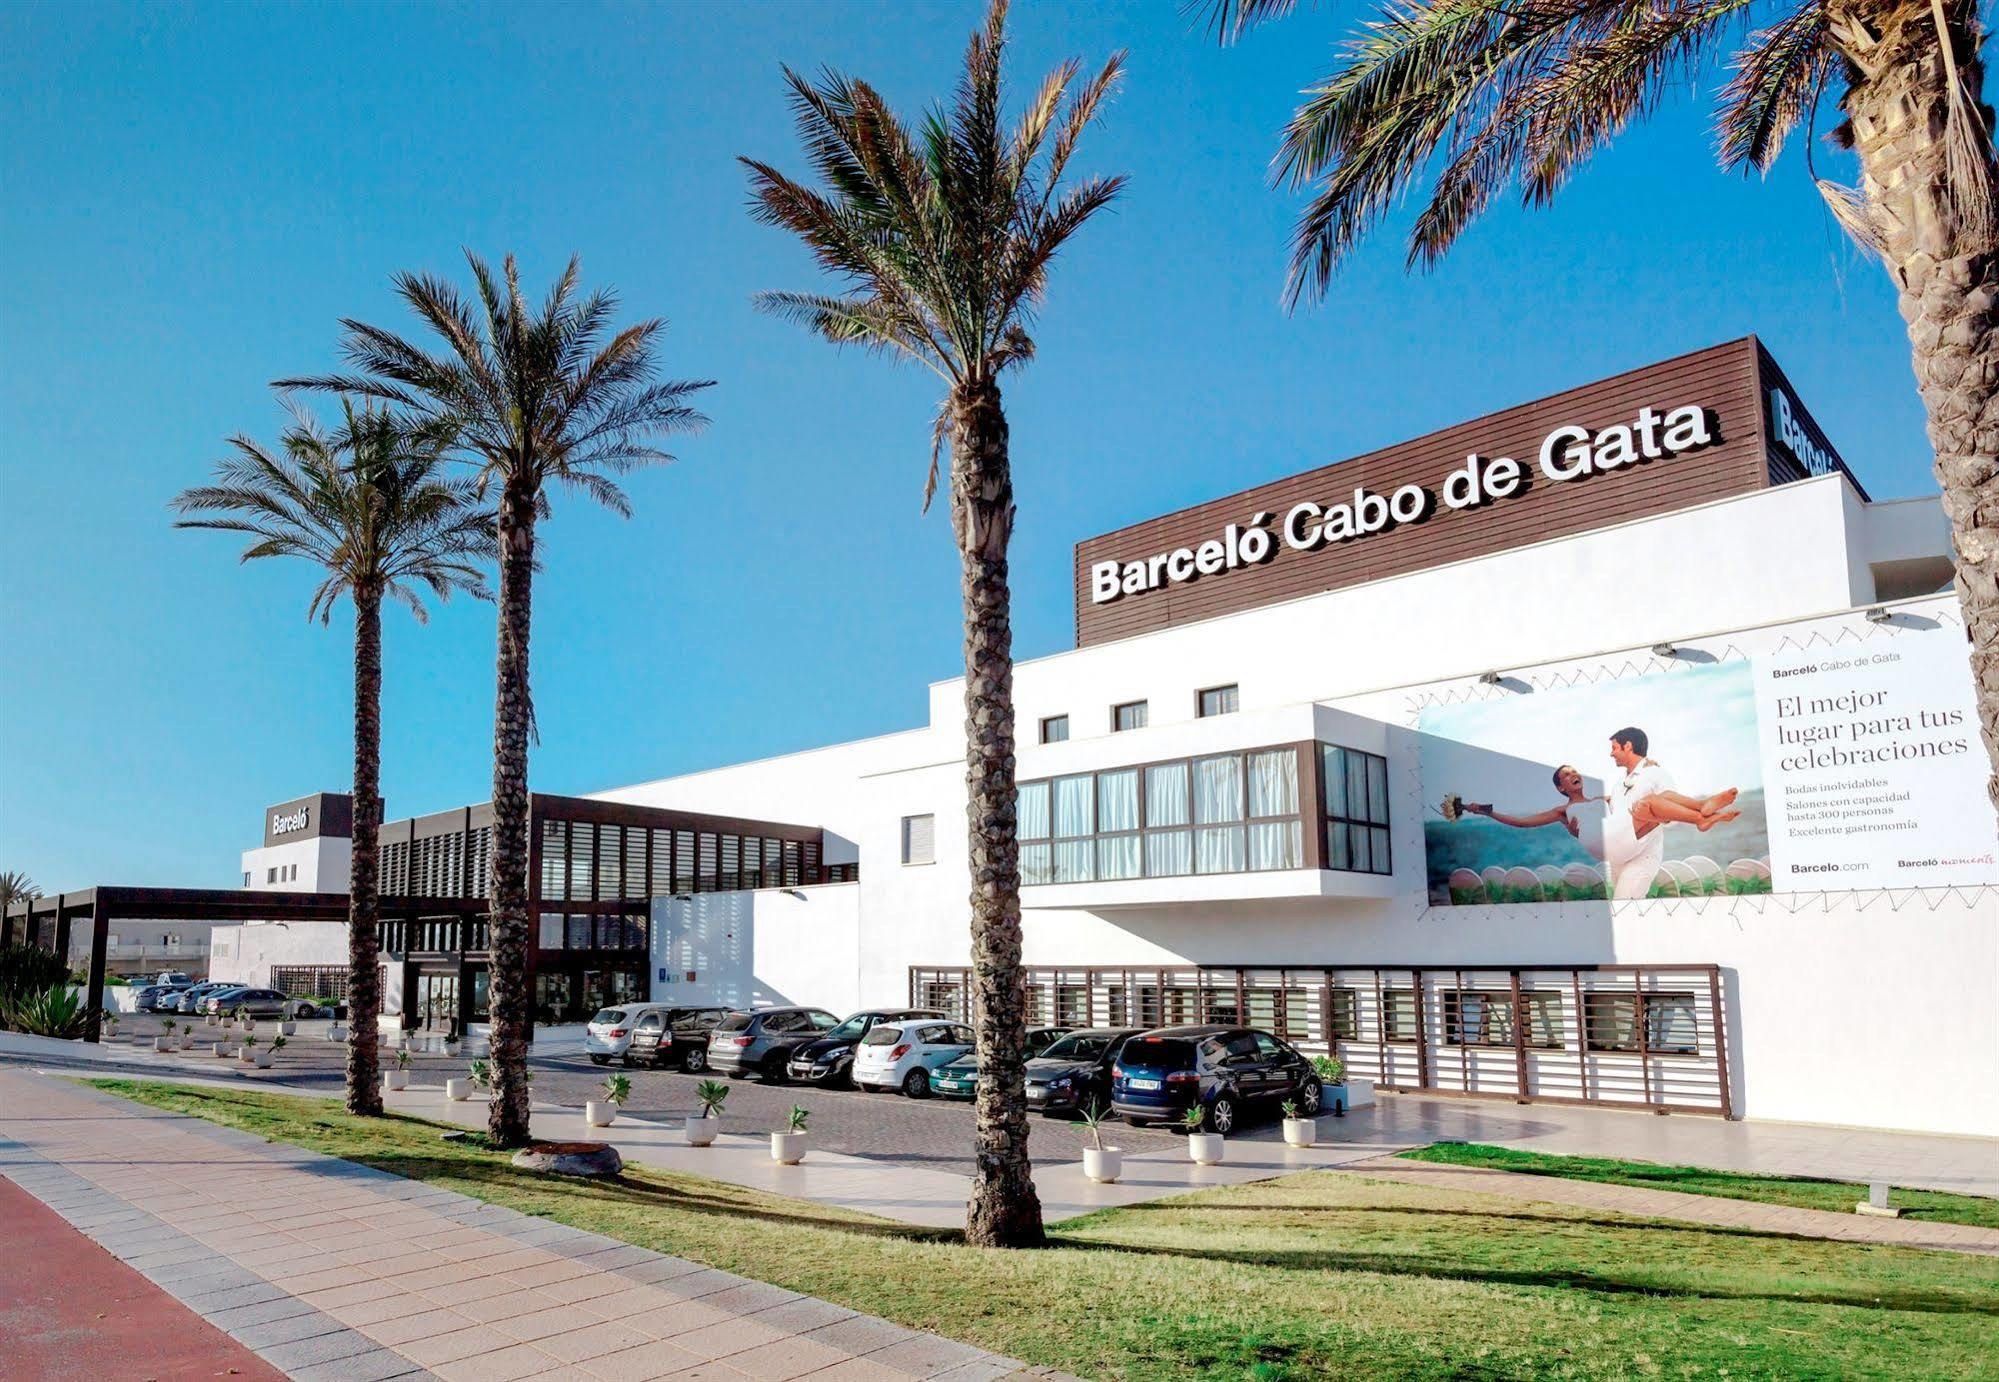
x=1492, y=93
x=535, y=397
x=941, y=237
x=372, y=505
x=16, y=886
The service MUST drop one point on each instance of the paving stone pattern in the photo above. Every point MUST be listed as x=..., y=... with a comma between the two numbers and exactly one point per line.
x=336, y=1272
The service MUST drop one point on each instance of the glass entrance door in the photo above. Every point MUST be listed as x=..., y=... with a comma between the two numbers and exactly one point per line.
x=437, y=1002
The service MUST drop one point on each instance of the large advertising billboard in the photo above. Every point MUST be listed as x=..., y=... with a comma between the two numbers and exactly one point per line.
x=1812, y=770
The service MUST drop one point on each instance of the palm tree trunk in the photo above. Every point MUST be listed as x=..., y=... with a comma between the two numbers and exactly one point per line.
x=364, y=975
x=1946, y=276
x=508, y=1118
x=1004, y=1210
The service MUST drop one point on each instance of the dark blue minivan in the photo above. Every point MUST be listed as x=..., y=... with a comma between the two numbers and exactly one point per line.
x=1225, y=1071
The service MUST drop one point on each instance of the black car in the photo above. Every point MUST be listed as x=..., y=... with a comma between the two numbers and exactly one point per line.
x=829, y=1060
x=1075, y=1072
x=676, y=1037
x=1224, y=1071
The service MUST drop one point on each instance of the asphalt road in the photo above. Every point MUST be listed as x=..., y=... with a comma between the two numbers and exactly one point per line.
x=934, y=1133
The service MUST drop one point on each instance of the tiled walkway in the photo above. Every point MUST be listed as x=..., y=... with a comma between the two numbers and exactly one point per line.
x=1699, y=1209
x=335, y=1271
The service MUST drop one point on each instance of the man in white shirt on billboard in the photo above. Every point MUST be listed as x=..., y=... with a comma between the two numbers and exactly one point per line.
x=1642, y=778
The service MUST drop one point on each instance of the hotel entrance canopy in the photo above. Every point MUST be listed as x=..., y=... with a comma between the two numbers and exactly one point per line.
x=55, y=917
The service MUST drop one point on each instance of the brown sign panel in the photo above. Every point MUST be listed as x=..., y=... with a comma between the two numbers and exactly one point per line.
x=1670, y=435
x=322, y=813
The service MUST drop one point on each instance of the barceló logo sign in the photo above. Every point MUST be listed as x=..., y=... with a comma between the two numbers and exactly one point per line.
x=291, y=822
x=1568, y=453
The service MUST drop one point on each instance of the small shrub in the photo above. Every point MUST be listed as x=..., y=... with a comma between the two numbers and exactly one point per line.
x=712, y=1094
x=1330, y=1069
x=402, y=1057
x=57, y=1011
x=617, y=1089
x=1092, y=1116
x=1193, y=1119
x=795, y=1120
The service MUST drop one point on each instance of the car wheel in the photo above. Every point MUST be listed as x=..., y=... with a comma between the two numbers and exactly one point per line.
x=1138, y=1122
x=694, y=1060
x=600, y=1060
x=773, y=1069
x=1310, y=1095
x=916, y=1084
x=1221, y=1114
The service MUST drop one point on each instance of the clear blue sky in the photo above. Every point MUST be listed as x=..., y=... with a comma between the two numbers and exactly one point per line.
x=190, y=195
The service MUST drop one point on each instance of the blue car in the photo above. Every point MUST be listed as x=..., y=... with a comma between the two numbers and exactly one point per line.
x=1226, y=1072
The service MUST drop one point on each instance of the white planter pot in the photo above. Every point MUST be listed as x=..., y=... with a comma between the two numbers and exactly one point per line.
x=1301, y=1132
x=263, y=1057
x=163, y=1044
x=787, y=1148
x=250, y=1053
x=1103, y=1164
x=288, y=1028
x=458, y=1091
x=336, y=1032
x=393, y=1080
x=451, y=1048
x=1205, y=1148
x=213, y=1020
x=223, y=1048
x=701, y=1131
x=600, y=1113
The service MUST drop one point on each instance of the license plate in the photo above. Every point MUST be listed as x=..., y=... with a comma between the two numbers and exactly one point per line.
x=1144, y=1084
x=1036, y=1095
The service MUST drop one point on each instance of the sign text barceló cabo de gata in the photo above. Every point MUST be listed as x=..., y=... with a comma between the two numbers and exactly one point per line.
x=1567, y=453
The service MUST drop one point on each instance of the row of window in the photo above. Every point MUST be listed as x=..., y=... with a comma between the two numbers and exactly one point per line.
x=276, y=873
x=1664, y=1023
x=582, y=861
x=1219, y=813
x=1129, y=715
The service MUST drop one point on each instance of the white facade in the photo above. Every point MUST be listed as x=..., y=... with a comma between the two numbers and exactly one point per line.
x=319, y=864
x=1876, y=1009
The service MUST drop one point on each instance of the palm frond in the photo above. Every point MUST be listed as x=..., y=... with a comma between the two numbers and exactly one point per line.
x=1775, y=80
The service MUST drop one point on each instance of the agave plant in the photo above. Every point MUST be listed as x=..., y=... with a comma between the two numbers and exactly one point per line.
x=618, y=1088
x=795, y=1120
x=712, y=1094
x=1091, y=1116
x=57, y=1011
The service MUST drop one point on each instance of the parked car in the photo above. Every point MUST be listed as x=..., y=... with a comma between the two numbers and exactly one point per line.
x=830, y=1059
x=608, y=1035
x=673, y=1037
x=251, y=1001
x=1075, y=1073
x=761, y=1042
x=1223, y=1070
x=172, y=978
x=317, y=1006
x=960, y=1079
x=904, y=1055
x=156, y=997
x=188, y=1000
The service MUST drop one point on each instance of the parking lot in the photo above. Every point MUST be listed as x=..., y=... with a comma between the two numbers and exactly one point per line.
x=932, y=1133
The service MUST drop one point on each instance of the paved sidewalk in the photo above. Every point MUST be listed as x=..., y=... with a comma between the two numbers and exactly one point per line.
x=335, y=1272
x=69, y=1310
x=1699, y=1209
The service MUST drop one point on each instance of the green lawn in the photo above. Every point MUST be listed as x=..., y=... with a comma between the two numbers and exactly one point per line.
x=1801, y=1191
x=1314, y=1275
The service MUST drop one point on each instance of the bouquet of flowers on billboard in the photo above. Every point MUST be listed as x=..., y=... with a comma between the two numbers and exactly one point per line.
x=1520, y=822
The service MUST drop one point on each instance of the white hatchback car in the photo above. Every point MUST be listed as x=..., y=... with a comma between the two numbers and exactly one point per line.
x=901, y=1055
x=608, y=1035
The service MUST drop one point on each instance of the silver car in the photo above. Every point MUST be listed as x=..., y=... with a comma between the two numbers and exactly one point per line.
x=255, y=1002
x=761, y=1042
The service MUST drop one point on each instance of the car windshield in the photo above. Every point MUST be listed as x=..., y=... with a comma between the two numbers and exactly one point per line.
x=609, y=1016
x=734, y=1022
x=882, y=1036
x=1077, y=1046
x=1157, y=1053
x=850, y=1029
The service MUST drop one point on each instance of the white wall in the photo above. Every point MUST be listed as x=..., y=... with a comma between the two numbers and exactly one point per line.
x=323, y=861
x=772, y=947
x=246, y=953
x=1876, y=1008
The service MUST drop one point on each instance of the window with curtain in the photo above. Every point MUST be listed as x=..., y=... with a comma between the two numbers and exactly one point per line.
x=1218, y=808
x=1273, y=792
x=1356, y=806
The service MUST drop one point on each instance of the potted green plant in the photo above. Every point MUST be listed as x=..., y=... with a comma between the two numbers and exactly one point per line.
x=225, y=1045
x=1299, y=1131
x=266, y=1054
x=397, y=1077
x=164, y=1042
x=1338, y=1091
x=601, y=1113
x=787, y=1146
x=460, y=1089
x=287, y=1024
x=702, y=1127
x=249, y=1048
x=1100, y=1163
x=1205, y=1148
x=453, y=1044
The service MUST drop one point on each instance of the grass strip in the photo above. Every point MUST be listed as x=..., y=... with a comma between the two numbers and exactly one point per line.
x=1802, y=1192
x=1309, y=1276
